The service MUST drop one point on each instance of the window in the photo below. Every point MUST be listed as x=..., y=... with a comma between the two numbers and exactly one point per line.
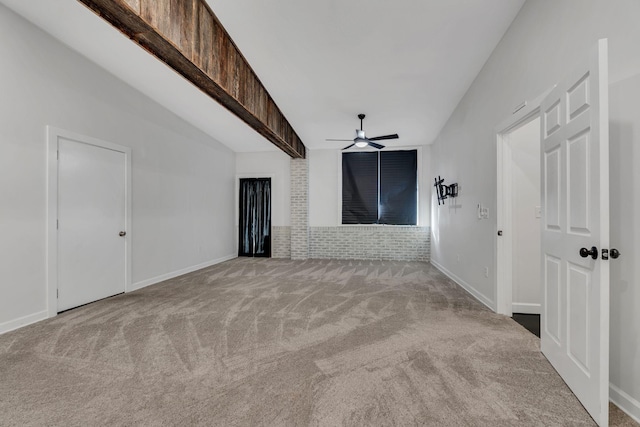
x=380, y=187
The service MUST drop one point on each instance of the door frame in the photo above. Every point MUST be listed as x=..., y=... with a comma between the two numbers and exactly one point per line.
x=53, y=136
x=237, y=203
x=504, y=217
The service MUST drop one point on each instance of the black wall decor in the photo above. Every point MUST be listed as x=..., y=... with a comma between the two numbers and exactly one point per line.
x=444, y=191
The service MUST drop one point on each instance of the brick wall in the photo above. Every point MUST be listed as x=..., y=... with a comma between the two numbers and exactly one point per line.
x=343, y=242
x=281, y=242
x=299, y=209
x=370, y=242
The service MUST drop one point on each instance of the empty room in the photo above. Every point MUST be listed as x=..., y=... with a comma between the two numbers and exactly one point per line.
x=357, y=213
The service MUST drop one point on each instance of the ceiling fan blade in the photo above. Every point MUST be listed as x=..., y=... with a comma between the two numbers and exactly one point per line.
x=380, y=138
x=344, y=140
x=349, y=146
x=374, y=145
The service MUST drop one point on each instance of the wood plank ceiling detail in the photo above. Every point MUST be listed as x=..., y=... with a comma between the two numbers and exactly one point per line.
x=187, y=36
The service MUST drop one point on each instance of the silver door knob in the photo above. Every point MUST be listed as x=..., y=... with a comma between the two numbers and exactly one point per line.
x=122, y=233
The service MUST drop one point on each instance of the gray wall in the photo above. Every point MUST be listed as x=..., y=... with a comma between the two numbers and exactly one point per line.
x=541, y=46
x=183, y=181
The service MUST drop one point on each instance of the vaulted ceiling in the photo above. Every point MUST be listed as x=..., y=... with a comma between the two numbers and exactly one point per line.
x=406, y=63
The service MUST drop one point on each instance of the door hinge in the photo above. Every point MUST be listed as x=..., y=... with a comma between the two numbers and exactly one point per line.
x=58, y=155
x=57, y=293
x=57, y=224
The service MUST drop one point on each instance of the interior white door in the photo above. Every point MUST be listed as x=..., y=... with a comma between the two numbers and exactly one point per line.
x=575, y=199
x=91, y=216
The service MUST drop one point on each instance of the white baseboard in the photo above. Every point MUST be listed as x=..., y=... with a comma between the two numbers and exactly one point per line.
x=622, y=400
x=167, y=276
x=467, y=287
x=525, y=308
x=12, y=325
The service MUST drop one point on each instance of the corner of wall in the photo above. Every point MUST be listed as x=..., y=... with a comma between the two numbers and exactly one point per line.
x=626, y=403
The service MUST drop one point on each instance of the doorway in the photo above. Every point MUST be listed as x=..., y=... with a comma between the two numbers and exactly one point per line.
x=519, y=223
x=525, y=218
x=254, y=238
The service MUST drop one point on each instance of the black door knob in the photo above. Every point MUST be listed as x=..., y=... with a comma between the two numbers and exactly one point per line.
x=122, y=233
x=614, y=253
x=584, y=252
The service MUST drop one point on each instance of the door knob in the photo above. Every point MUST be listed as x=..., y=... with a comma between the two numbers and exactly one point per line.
x=614, y=253
x=122, y=233
x=584, y=252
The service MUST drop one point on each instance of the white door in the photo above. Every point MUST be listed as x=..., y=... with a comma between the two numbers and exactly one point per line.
x=91, y=217
x=575, y=203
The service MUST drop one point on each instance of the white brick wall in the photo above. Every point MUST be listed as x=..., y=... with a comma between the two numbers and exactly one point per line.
x=299, y=209
x=370, y=242
x=405, y=243
x=281, y=242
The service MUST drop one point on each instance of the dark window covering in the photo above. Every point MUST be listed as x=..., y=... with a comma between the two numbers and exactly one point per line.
x=255, y=217
x=359, y=188
x=398, y=187
x=380, y=187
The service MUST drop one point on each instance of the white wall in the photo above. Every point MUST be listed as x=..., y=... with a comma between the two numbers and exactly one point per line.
x=544, y=41
x=182, y=180
x=274, y=164
x=525, y=155
x=624, y=131
x=325, y=180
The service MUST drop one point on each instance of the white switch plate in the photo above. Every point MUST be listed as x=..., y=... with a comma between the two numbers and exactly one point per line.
x=538, y=211
x=483, y=212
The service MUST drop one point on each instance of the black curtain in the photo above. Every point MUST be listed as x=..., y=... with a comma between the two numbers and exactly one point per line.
x=360, y=188
x=255, y=217
x=398, y=187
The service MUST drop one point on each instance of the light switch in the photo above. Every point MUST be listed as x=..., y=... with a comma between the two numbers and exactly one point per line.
x=538, y=211
x=483, y=212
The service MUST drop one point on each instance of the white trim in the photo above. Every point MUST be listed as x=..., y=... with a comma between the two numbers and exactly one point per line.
x=504, y=245
x=14, y=324
x=626, y=403
x=173, y=274
x=525, y=308
x=467, y=287
x=53, y=136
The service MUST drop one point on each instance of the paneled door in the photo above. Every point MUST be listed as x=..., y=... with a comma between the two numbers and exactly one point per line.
x=91, y=223
x=575, y=200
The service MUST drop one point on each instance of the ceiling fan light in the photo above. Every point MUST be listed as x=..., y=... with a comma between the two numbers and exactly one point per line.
x=361, y=144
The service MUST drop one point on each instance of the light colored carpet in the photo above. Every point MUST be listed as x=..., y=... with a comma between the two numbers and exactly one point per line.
x=279, y=342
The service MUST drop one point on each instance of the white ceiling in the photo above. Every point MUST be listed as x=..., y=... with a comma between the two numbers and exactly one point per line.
x=405, y=63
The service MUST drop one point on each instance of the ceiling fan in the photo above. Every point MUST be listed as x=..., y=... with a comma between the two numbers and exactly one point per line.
x=362, y=141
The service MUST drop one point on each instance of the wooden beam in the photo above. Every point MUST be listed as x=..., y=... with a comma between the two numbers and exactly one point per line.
x=187, y=36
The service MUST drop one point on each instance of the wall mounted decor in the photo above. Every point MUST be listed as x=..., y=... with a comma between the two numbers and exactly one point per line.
x=445, y=191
